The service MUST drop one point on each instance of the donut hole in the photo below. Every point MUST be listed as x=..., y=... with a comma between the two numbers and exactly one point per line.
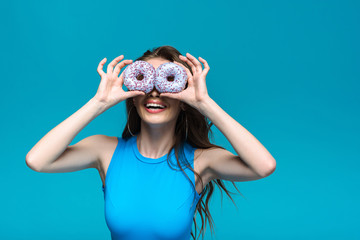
x=171, y=78
x=140, y=77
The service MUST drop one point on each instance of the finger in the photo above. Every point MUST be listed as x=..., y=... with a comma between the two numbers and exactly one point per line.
x=206, y=65
x=187, y=60
x=181, y=65
x=186, y=68
x=171, y=95
x=100, y=68
x=195, y=62
x=111, y=65
x=119, y=66
x=130, y=94
x=120, y=80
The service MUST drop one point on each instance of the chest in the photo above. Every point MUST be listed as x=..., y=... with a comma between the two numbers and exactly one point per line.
x=147, y=200
x=199, y=167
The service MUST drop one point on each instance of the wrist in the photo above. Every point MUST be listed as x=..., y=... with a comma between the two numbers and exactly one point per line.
x=205, y=104
x=101, y=106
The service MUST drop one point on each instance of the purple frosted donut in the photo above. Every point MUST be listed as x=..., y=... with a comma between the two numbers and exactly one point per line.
x=139, y=75
x=170, y=77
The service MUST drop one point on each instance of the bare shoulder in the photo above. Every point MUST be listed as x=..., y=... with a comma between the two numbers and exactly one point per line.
x=105, y=146
x=104, y=142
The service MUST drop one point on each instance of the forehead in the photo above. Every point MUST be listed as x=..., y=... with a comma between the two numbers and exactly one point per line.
x=157, y=61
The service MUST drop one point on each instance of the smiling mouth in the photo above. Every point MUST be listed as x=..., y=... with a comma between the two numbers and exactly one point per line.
x=153, y=106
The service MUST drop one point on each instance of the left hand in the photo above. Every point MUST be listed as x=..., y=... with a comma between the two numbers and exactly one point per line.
x=196, y=92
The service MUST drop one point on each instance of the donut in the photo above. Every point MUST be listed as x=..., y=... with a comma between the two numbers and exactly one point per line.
x=139, y=75
x=170, y=77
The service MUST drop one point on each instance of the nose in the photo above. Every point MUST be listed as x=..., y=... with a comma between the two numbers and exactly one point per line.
x=154, y=93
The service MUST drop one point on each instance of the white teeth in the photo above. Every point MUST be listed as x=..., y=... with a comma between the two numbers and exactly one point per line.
x=154, y=105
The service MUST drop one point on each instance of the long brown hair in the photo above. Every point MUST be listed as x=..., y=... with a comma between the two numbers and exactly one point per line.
x=197, y=130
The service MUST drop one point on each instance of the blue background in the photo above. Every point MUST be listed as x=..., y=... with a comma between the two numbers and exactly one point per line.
x=288, y=71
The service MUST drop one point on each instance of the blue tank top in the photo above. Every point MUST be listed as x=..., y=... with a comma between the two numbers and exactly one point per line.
x=145, y=198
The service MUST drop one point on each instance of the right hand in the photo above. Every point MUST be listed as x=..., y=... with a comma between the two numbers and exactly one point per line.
x=110, y=90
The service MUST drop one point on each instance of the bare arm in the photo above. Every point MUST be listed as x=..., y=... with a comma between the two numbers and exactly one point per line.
x=53, y=153
x=54, y=145
x=253, y=161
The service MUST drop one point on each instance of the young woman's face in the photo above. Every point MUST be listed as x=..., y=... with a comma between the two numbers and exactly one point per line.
x=168, y=114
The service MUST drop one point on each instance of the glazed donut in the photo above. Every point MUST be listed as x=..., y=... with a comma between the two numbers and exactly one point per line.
x=170, y=77
x=139, y=75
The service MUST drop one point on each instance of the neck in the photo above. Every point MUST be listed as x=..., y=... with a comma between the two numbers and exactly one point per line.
x=155, y=141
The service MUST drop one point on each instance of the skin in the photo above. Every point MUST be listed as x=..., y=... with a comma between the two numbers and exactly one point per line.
x=53, y=153
x=157, y=129
x=253, y=160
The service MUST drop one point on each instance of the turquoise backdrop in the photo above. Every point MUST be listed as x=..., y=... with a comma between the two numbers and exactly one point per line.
x=288, y=71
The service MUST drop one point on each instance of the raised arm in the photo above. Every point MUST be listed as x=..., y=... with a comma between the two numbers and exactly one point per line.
x=53, y=153
x=254, y=161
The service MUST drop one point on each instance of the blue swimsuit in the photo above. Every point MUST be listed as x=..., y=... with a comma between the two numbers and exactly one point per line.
x=145, y=199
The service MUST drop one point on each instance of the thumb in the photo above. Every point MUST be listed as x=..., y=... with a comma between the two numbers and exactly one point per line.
x=135, y=93
x=170, y=95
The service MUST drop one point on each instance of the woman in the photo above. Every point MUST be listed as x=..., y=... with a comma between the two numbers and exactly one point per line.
x=146, y=186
